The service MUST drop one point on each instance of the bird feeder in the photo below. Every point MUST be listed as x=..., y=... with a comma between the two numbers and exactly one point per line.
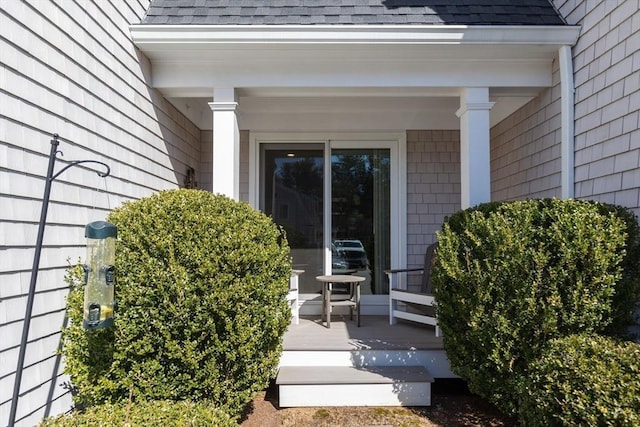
x=99, y=275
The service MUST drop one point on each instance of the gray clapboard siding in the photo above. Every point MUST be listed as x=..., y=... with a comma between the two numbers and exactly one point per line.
x=69, y=67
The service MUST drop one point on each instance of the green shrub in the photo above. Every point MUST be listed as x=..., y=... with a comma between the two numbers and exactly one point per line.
x=511, y=276
x=628, y=286
x=583, y=381
x=145, y=414
x=201, y=310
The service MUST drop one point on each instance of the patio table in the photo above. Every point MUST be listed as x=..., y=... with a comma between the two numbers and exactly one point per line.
x=353, y=302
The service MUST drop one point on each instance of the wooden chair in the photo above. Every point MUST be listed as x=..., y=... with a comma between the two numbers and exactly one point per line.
x=417, y=306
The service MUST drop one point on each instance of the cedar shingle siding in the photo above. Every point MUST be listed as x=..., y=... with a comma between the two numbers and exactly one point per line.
x=71, y=68
x=352, y=12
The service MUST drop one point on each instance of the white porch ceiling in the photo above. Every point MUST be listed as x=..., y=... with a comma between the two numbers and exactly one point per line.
x=349, y=77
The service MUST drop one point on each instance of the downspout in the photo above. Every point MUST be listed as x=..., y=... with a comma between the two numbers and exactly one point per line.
x=567, y=117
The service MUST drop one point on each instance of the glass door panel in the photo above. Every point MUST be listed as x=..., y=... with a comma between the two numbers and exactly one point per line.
x=360, y=215
x=292, y=189
x=292, y=194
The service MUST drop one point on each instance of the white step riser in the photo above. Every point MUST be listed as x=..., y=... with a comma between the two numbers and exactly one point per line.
x=413, y=394
x=435, y=361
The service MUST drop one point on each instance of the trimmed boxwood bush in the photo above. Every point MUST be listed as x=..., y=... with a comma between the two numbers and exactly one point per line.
x=146, y=413
x=583, y=381
x=201, y=310
x=511, y=276
x=628, y=286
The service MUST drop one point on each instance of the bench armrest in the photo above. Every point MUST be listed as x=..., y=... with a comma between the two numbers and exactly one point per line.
x=403, y=270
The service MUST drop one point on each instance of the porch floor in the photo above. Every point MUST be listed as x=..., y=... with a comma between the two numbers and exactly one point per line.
x=374, y=333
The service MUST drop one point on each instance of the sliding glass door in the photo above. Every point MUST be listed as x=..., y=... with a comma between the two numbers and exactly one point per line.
x=334, y=201
x=360, y=214
x=292, y=182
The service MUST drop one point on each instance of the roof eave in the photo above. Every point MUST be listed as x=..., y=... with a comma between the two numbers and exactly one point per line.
x=145, y=35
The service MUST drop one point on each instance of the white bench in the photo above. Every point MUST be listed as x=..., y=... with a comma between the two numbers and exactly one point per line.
x=292, y=296
x=417, y=306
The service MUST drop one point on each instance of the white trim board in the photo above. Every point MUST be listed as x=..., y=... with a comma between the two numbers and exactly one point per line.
x=395, y=141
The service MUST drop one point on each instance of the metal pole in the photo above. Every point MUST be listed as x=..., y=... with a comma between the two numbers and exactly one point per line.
x=36, y=264
x=34, y=278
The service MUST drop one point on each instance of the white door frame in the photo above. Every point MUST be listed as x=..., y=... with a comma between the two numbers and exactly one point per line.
x=395, y=142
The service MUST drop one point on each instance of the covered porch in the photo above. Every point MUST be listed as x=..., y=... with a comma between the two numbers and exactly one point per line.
x=286, y=111
x=356, y=133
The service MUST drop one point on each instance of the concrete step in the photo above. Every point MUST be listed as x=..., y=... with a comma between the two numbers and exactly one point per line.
x=354, y=386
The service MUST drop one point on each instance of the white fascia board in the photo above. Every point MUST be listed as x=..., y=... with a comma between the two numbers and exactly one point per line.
x=149, y=35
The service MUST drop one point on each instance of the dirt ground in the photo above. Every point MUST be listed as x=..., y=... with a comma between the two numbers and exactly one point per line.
x=452, y=405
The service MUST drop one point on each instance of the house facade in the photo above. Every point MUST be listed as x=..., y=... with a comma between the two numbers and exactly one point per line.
x=369, y=121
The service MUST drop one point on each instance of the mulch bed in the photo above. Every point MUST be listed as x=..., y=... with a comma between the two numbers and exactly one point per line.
x=452, y=405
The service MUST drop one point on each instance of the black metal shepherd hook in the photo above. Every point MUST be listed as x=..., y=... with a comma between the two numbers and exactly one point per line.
x=36, y=263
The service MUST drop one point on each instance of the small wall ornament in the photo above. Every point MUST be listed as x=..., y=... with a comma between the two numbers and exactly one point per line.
x=190, y=178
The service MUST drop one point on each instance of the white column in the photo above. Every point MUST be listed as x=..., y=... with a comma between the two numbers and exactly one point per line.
x=226, y=143
x=474, y=146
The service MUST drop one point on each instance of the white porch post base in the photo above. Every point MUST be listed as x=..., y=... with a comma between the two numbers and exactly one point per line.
x=226, y=143
x=475, y=164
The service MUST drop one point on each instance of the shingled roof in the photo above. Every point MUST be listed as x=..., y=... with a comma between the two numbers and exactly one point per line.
x=352, y=12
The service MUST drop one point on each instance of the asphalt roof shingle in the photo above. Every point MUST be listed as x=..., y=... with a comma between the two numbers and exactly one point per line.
x=372, y=12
